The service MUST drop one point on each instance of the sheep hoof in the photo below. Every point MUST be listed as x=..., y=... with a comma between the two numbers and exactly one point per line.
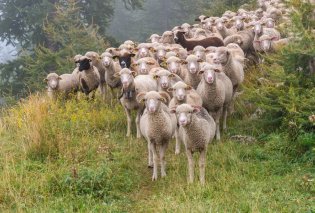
x=163, y=175
x=150, y=166
x=177, y=152
x=154, y=178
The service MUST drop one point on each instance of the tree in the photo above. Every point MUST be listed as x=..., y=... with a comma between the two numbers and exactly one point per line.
x=22, y=20
x=68, y=34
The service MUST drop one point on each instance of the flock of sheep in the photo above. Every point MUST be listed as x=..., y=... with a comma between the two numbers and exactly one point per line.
x=183, y=83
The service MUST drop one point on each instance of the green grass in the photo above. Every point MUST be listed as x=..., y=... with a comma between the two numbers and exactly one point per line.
x=73, y=156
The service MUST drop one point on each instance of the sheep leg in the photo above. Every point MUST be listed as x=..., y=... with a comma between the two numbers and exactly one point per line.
x=225, y=113
x=150, y=159
x=128, y=121
x=138, y=123
x=155, y=161
x=177, y=148
x=162, y=158
x=190, y=166
x=112, y=95
x=217, y=122
x=202, y=166
x=103, y=91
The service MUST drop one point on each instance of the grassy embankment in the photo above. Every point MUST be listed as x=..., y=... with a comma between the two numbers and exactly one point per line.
x=74, y=156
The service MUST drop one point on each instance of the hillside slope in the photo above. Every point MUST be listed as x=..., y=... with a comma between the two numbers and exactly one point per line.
x=73, y=156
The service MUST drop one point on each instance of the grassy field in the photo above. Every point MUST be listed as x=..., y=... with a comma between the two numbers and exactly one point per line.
x=73, y=156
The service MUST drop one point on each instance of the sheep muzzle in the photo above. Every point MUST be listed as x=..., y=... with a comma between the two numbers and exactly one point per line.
x=84, y=65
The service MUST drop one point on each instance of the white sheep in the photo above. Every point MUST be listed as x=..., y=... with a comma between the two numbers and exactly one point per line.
x=200, y=52
x=183, y=93
x=174, y=65
x=193, y=66
x=144, y=50
x=131, y=87
x=165, y=79
x=144, y=65
x=232, y=67
x=111, y=69
x=167, y=38
x=96, y=61
x=157, y=126
x=222, y=29
x=154, y=38
x=197, y=129
x=63, y=84
x=270, y=44
x=216, y=91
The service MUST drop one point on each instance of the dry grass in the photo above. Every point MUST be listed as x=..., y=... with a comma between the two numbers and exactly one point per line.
x=74, y=156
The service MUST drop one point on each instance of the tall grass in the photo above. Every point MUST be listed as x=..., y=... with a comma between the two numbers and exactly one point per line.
x=73, y=156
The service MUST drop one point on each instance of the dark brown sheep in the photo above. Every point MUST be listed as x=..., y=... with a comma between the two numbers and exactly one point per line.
x=190, y=44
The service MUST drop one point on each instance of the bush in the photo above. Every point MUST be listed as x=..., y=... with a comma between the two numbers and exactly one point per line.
x=285, y=88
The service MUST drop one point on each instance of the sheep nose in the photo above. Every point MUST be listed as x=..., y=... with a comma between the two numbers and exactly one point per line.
x=216, y=60
x=182, y=121
x=151, y=109
x=173, y=70
x=180, y=97
x=193, y=70
x=143, y=70
x=210, y=79
x=125, y=83
x=164, y=85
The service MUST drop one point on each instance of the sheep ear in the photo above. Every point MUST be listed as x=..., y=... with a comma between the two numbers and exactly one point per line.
x=115, y=57
x=196, y=109
x=140, y=97
x=165, y=97
x=170, y=89
x=172, y=75
x=173, y=110
x=197, y=19
x=45, y=79
x=188, y=87
x=183, y=62
x=201, y=72
x=90, y=60
x=163, y=64
x=200, y=60
x=151, y=63
x=117, y=74
x=132, y=55
x=155, y=77
x=133, y=73
x=136, y=49
x=59, y=78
